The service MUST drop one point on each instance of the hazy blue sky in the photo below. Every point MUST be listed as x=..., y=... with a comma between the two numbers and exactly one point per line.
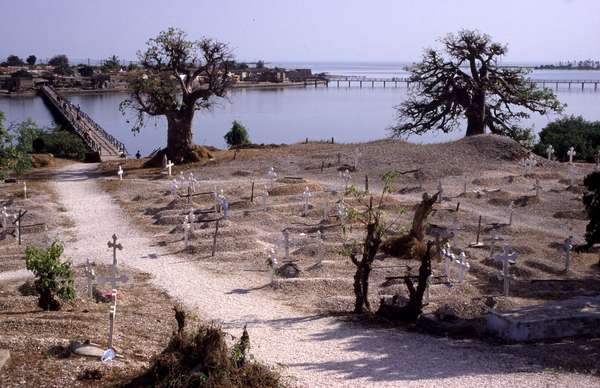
x=309, y=30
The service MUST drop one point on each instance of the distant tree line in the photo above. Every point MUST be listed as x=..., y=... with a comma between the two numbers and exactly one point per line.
x=588, y=64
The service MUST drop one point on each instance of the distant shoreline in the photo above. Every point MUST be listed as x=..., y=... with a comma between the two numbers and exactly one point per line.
x=239, y=85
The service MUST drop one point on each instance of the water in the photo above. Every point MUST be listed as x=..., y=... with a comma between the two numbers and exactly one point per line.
x=293, y=114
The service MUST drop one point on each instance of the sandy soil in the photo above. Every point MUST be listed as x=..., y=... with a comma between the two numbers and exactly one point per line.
x=38, y=341
x=286, y=323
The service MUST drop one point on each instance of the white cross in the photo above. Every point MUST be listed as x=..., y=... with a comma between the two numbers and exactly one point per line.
x=186, y=231
x=506, y=258
x=550, y=152
x=449, y=257
x=357, y=155
x=272, y=263
x=89, y=275
x=174, y=187
x=346, y=178
x=4, y=218
x=264, y=198
x=306, y=196
x=286, y=243
x=463, y=266
x=272, y=176
x=120, y=172
x=440, y=190
x=571, y=154
x=169, y=166
x=493, y=239
x=567, y=248
x=192, y=181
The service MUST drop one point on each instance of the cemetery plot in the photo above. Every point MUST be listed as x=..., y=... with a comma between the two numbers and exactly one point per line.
x=506, y=196
x=40, y=342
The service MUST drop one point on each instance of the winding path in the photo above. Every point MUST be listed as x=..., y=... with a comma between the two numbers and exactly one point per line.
x=318, y=351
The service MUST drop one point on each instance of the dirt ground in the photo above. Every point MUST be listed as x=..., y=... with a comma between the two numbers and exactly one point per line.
x=490, y=165
x=39, y=341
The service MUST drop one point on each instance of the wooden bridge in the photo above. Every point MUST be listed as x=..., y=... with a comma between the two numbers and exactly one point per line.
x=590, y=84
x=102, y=144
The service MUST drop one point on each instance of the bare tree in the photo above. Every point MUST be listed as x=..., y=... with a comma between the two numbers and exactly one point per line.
x=180, y=76
x=468, y=82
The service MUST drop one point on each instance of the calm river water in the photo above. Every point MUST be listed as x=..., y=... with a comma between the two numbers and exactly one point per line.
x=291, y=115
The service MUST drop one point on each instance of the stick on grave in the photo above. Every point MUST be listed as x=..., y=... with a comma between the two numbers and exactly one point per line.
x=366, y=183
x=252, y=193
x=214, y=246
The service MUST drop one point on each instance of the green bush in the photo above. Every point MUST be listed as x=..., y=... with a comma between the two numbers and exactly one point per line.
x=591, y=201
x=64, y=144
x=54, y=279
x=237, y=135
x=570, y=132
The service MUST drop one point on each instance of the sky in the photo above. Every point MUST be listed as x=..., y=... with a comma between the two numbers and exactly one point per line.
x=302, y=30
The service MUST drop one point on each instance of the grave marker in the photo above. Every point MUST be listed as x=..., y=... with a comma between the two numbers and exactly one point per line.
x=90, y=275
x=272, y=176
x=169, y=167
x=550, y=152
x=120, y=172
x=571, y=154
x=477, y=243
x=346, y=177
x=463, y=267
x=566, y=248
x=506, y=258
x=306, y=197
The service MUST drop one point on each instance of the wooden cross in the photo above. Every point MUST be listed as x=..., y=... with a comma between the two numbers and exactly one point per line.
x=571, y=154
x=169, y=166
x=114, y=247
x=17, y=222
x=477, y=243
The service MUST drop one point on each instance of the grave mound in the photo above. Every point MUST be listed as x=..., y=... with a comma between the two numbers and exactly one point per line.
x=294, y=189
x=571, y=214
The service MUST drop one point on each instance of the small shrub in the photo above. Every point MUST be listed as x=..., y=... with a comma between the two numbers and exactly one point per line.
x=64, y=144
x=237, y=135
x=54, y=279
x=200, y=358
x=591, y=201
x=570, y=132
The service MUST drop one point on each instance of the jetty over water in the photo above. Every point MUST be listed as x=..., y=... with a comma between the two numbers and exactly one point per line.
x=103, y=145
x=584, y=84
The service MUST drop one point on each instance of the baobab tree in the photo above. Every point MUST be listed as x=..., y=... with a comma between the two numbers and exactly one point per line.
x=467, y=82
x=180, y=76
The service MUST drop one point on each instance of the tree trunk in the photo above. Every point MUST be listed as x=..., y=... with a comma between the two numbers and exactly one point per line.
x=476, y=115
x=179, y=137
x=359, y=297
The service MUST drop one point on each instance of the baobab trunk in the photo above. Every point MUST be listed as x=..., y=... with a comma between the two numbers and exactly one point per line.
x=180, y=148
x=476, y=116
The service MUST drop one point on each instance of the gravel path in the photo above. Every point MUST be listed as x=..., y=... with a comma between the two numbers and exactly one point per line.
x=318, y=352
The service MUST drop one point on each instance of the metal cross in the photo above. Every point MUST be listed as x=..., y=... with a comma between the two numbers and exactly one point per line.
x=571, y=154
x=506, y=257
